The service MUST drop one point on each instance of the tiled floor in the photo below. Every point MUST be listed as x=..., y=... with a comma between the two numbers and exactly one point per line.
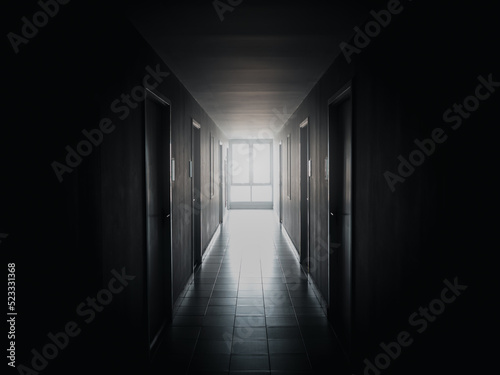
x=250, y=310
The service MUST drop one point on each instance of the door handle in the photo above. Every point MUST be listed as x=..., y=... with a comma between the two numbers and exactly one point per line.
x=327, y=172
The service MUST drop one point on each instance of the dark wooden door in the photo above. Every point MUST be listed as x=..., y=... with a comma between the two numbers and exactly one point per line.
x=158, y=216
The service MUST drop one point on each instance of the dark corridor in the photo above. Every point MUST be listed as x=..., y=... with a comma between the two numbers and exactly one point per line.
x=249, y=187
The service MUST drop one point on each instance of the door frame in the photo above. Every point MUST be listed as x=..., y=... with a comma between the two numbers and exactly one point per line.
x=281, y=181
x=221, y=182
x=345, y=92
x=153, y=343
x=305, y=125
x=195, y=124
x=226, y=179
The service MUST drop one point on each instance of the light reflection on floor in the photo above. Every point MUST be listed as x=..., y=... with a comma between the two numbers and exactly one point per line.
x=250, y=309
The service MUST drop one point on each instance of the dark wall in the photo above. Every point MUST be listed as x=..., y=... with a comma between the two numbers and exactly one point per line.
x=405, y=243
x=123, y=188
x=68, y=236
x=123, y=182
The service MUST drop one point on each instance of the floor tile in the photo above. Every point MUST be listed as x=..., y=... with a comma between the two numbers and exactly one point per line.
x=216, y=320
x=221, y=310
x=250, y=287
x=198, y=293
x=305, y=302
x=277, y=333
x=249, y=347
x=274, y=287
x=226, y=280
x=281, y=321
x=194, y=302
x=250, y=321
x=250, y=294
x=248, y=363
x=213, y=347
x=231, y=287
x=216, y=333
x=278, y=300
x=224, y=294
x=279, y=311
x=273, y=280
x=288, y=362
x=250, y=333
x=222, y=301
x=286, y=346
x=250, y=310
x=201, y=287
x=251, y=280
x=244, y=301
x=204, y=280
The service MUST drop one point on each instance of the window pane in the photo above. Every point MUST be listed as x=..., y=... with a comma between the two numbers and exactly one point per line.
x=240, y=193
x=240, y=168
x=262, y=163
x=262, y=193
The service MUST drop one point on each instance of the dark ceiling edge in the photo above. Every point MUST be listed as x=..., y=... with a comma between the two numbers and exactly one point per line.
x=131, y=23
x=317, y=81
